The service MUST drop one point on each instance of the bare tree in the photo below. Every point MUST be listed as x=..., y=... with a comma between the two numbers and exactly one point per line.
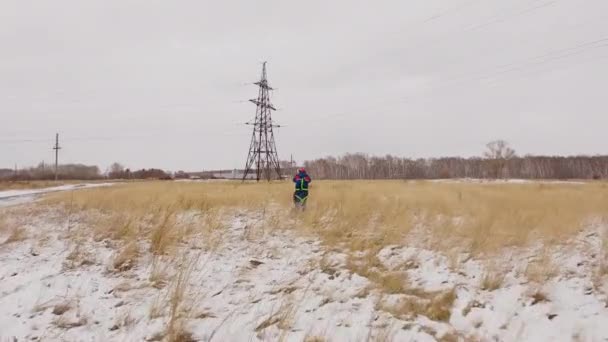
x=499, y=154
x=499, y=149
x=116, y=171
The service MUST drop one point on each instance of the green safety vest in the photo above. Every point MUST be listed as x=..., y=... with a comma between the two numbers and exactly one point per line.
x=301, y=187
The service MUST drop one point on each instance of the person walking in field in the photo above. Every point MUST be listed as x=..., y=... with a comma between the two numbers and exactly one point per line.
x=301, y=179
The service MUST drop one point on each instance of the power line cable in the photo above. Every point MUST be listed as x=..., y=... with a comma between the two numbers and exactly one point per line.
x=513, y=15
x=541, y=59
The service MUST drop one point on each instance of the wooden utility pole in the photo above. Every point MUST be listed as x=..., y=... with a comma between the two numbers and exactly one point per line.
x=56, y=148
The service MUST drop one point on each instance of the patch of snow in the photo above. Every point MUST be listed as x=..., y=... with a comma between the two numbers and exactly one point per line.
x=13, y=197
x=271, y=286
x=574, y=306
x=247, y=290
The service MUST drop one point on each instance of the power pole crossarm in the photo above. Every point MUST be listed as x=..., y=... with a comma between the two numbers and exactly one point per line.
x=264, y=84
x=262, y=104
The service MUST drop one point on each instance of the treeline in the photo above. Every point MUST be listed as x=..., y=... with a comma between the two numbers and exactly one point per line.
x=362, y=166
x=83, y=172
x=118, y=171
x=47, y=172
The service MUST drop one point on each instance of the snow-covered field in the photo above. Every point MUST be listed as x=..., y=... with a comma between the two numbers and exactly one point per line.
x=261, y=284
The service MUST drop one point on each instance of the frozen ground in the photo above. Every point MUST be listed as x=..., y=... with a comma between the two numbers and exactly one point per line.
x=510, y=181
x=269, y=284
x=12, y=197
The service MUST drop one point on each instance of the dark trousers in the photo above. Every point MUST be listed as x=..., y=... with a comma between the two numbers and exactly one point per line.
x=300, y=197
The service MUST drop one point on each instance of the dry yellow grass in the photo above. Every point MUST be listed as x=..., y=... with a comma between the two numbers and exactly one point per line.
x=434, y=305
x=603, y=257
x=314, y=338
x=541, y=268
x=361, y=215
x=492, y=281
x=150, y=197
x=126, y=257
x=370, y=267
x=175, y=328
x=79, y=256
x=538, y=297
x=16, y=234
x=282, y=317
x=159, y=273
x=483, y=217
x=10, y=231
x=493, y=277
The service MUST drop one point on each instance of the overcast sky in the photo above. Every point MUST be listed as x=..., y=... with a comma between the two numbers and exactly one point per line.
x=163, y=83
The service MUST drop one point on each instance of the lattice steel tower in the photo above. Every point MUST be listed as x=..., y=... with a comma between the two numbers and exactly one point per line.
x=263, y=151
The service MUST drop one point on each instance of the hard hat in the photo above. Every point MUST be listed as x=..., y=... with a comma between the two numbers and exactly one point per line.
x=301, y=170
